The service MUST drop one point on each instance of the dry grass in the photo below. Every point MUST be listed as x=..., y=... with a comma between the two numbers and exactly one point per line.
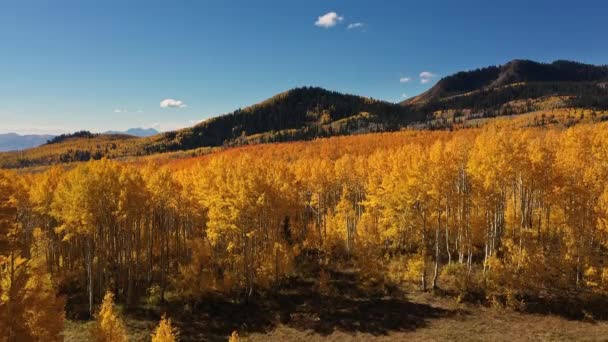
x=458, y=322
x=491, y=326
x=79, y=331
x=477, y=324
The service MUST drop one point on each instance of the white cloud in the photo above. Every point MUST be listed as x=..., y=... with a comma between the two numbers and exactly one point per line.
x=426, y=74
x=356, y=26
x=426, y=77
x=328, y=20
x=404, y=79
x=404, y=95
x=171, y=103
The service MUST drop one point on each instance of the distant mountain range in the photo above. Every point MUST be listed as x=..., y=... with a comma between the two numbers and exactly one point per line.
x=15, y=142
x=517, y=87
x=136, y=132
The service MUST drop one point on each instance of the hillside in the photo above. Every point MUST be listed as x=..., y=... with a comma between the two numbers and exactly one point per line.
x=518, y=74
x=16, y=142
x=518, y=87
x=298, y=114
x=74, y=148
x=465, y=99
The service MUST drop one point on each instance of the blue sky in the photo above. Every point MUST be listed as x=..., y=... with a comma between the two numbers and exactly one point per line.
x=100, y=65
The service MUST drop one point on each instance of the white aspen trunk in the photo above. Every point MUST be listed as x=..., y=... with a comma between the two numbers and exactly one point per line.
x=447, y=232
x=424, y=247
x=90, y=276
x=436, y=272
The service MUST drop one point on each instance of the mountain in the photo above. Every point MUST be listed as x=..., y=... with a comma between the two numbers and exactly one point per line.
x=13, y=141
x=465, y=99
x=297, y=114
x=136, y=132
x=524, y=77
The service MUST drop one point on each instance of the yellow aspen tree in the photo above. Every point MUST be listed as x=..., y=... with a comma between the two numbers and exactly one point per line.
x=131, y=216
x=164, y=191
x=43, y=311
x=29, y=307
x=234, y=337
x=442, y=179
x=342, y=223
x=41, y=193
x=490, y=166
x=418, y=197
x=165, y=332
x=108, y=326
x=577, y=194
x=86, y=203
x=458, y=228
x=195, y=275
x=3, y=299
x=33, y=310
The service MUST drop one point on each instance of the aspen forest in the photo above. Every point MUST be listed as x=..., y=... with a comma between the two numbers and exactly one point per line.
x=496, y=215
x=306, y=171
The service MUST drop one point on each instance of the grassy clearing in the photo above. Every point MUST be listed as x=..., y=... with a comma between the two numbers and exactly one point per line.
x=298, y=312
x=478, y=325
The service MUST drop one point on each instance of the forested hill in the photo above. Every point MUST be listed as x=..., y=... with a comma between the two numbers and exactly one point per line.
x=516, y=72
x=297, y=114
x=517, y=87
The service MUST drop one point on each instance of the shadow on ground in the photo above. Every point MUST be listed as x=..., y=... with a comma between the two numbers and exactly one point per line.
x=299, y=305
x=575, y=306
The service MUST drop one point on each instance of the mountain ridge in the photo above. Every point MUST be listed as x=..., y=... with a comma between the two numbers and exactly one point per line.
x=296, y=114
x=304, y=113
x=512, y=72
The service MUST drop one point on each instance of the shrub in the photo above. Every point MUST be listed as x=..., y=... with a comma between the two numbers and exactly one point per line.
x=165, y=332
x=456, y=276
x=109, y=327
x=153, y=298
